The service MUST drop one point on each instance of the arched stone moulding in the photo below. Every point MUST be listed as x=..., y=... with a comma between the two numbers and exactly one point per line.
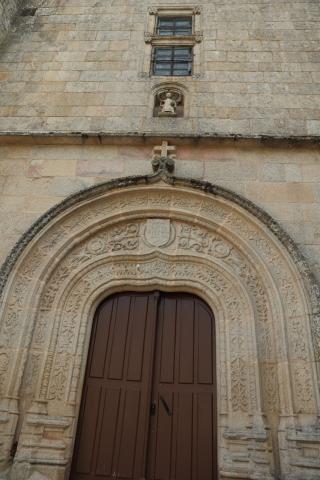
x=172, y=234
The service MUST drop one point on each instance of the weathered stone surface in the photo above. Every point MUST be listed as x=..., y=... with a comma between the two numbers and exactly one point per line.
x=75, y=66
x=285, y=182
x=8, y=9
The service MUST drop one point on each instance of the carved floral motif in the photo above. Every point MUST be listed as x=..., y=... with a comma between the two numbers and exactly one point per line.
x=32, y=373
x=304, y=392
x=59, y=377
x=120, y=239
x=4, y=362
x=199, y=240
x=239, y=385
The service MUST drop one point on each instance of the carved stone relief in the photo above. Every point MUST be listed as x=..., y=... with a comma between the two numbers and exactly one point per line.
x=161, y=237
x=159, y=232
x=168, y=101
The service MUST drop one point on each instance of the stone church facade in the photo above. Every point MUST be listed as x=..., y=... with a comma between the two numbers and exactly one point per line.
x=161, y=147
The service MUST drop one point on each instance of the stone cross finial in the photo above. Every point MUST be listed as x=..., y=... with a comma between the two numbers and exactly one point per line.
x=163, y=158
x=164, y=150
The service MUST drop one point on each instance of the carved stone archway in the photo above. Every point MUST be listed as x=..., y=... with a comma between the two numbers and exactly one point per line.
x=160, y=232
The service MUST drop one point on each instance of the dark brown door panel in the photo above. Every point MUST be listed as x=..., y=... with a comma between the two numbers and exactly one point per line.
x=148, y=408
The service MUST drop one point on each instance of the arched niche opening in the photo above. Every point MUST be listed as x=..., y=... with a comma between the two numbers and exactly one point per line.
x=169, y=100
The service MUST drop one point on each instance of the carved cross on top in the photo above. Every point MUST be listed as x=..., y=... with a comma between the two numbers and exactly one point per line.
x=163, y=158
x=164, y=150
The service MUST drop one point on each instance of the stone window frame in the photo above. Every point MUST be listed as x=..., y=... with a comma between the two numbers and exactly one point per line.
x=152, y=39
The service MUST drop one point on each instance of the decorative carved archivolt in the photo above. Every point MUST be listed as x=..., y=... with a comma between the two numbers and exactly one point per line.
x=159, y=236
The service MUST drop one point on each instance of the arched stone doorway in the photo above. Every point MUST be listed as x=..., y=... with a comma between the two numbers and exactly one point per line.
x=150, y=235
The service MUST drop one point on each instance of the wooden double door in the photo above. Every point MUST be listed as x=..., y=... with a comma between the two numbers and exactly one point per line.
x=149, y=401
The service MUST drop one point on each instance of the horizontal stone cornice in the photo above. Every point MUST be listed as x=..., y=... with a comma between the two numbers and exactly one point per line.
x=89, y=138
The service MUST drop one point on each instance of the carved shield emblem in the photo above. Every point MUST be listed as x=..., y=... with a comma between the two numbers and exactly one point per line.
x=157, y=232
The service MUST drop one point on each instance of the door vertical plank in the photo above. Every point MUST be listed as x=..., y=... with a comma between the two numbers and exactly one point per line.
x=185, y=318
x=99, y=349
x=109, y=427
x=128, y=440
x=137, y=339
x=205, y=437
x=205, y=346
x=119, y=340
x=168, y=350
x=184, y=437
x=86, y=451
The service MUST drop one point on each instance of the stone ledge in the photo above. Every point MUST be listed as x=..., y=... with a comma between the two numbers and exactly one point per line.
x=45, y=444
x=307, y=463
x=304, y=436
x=46, y=421
x=105, y=138
x=42, y=461
x=246, y=435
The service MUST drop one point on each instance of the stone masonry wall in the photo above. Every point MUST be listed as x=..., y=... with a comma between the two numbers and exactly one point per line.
x=8, y=9
x=284, y=181
x=77, y=65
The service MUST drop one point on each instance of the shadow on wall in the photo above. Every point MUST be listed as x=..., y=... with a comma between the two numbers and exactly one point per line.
x=8, y=10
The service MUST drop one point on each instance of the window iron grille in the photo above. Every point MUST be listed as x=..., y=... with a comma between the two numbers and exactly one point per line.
x=179, y=26
x=172, y=61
